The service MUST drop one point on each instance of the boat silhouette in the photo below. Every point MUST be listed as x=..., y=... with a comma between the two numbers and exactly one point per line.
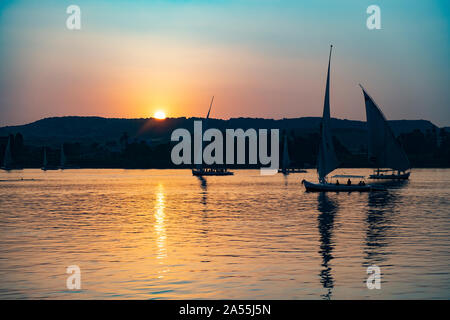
x=327, y=160
x=8, y=162
x=45, y=165
x=385, y=152
x=199, y=170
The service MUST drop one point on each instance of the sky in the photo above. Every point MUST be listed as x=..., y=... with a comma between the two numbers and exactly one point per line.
x=259, y=58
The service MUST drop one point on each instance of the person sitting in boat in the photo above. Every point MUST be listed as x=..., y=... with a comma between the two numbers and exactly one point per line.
x=349, y=183
x=361, y=183
x=337, y=182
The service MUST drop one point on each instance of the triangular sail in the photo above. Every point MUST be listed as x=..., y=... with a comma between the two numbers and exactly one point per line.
x=286, y=160
x=384, y=151
x=7, y=160
x=326, y=160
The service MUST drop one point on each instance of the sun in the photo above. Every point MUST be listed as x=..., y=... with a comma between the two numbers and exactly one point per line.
x=161, y=115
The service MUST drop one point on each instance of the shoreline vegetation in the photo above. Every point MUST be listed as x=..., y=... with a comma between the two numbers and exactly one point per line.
x=94, y=142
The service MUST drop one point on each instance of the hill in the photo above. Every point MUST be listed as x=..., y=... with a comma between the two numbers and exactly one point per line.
x=57, y=130
x=95, y=142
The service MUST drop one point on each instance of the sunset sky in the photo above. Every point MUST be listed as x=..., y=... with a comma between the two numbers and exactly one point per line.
x=260, y=58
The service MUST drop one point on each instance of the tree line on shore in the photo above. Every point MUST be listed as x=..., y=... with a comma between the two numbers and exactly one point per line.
x=424, y=149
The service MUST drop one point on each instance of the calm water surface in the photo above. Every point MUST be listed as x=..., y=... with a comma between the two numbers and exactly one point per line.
x=164, y=234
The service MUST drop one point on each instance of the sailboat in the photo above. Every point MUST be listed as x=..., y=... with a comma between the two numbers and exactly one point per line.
x=7, y=160
x=286, y=160
x=384, y=151
x=327, y=160
x=285, y=165
x=44, y=162
x=200, y=170
x=45, y=165
x=62, y=164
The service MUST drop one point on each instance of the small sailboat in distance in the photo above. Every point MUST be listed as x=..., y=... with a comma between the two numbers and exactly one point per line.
x=286, y=163
x=45, y=165
x=326, y=159
x=7, y=159
x=62, y=163
x=44, y=162
x=286, y=160
x=384, y=151
x=200, y=170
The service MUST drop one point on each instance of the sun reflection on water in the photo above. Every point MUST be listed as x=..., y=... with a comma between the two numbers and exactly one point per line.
x=163, y=234
x=160, y=226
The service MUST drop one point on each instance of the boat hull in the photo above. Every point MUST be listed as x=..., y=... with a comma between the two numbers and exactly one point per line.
x=201, y=173
x=49, y=168
x=287, y=171
x=11, y=168
x=403, y=176
x=326, y=187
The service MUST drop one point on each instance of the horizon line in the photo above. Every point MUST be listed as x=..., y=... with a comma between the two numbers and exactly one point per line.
x=184, y=117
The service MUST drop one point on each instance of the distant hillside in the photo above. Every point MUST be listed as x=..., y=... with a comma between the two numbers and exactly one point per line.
x=54, y=131
x=94, y=142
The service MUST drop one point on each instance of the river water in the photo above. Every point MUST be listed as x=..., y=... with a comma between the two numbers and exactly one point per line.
x=164, y=234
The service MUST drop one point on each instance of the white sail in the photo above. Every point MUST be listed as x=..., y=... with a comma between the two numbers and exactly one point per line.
x=44, y=162
x=7, y=160
x=63, y=157
x=383, y=148
x=286, y=160
x=326, y=160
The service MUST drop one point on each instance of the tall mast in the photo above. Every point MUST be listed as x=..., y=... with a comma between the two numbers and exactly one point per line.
x=210, y=105
x=326, y=160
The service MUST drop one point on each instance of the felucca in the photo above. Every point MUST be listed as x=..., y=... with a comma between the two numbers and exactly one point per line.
x=62, y=164
x=327, y=160
x=286, y=161
x=7, y=159
x=45, y=165
x=212, y=171
x=384, y=151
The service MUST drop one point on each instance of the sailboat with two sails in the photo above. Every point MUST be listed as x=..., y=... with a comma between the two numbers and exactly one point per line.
x=327, y=160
